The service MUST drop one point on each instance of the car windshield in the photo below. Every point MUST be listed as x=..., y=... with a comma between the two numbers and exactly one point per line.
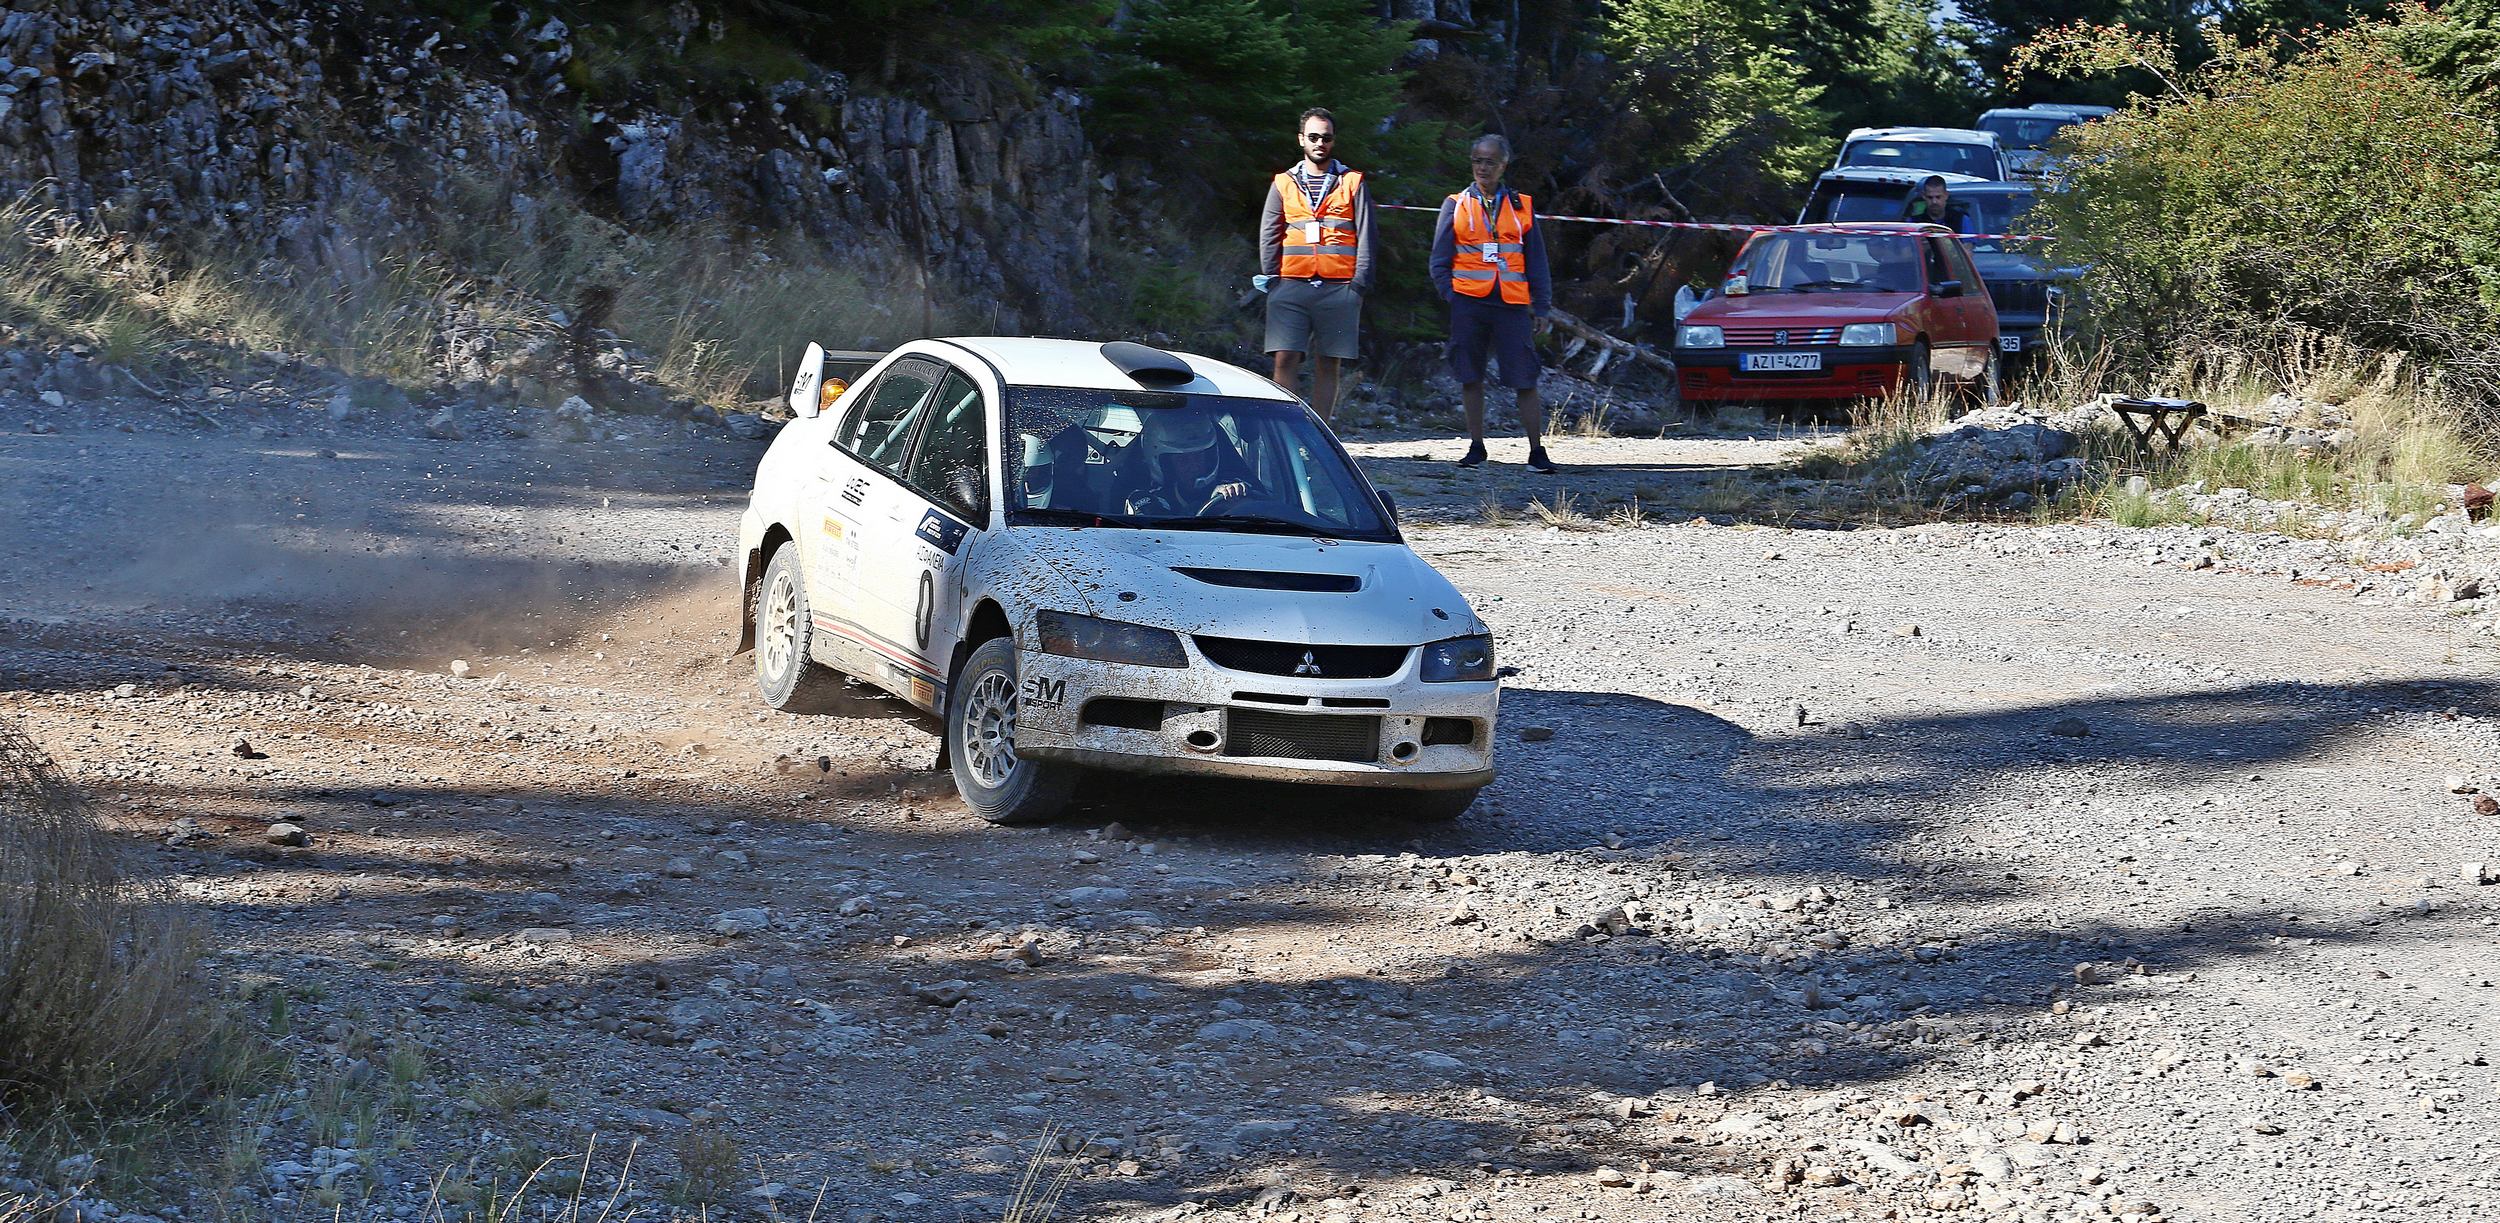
x=1996, y=212
x=1976, y=160
x=1083, y=457
x=2026, y=131
x=1808, y=262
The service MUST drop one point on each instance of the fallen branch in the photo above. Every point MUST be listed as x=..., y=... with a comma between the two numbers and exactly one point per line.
x=1614, y=346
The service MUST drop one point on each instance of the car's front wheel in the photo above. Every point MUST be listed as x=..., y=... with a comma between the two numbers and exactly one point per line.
x=1989, y=388
x=999, y=783
x=1921, y=374
x=791, y=681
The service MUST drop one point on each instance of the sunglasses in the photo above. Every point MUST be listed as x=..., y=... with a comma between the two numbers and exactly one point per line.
x=1320, y=137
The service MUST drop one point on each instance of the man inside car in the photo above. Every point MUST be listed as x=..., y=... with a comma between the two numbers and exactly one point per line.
x=1186, y=467
x=1935, y=205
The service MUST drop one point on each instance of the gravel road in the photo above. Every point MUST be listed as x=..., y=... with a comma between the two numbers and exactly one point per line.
x=1954, y=872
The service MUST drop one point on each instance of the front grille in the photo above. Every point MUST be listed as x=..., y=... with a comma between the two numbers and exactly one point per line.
x=1295, y=658
x=1771, y=335
x=2019, y=296
x=1302, y=736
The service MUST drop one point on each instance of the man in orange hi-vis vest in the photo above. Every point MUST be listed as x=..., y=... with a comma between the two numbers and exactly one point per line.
x=1488, y=263
x=1315, y=259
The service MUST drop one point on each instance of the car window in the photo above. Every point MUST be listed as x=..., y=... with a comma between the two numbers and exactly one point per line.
x=1957, y=257
x=1976, y=160
x=1939, y=267
x=950, y=464
x=2028, y=131
x=880, y=426
x=1180, y=462
x=1810, y=261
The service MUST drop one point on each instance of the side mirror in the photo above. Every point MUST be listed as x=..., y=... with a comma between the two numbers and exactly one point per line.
x=1390, y=504
x=965, y=487
x=1945, y=288
x=804, y=402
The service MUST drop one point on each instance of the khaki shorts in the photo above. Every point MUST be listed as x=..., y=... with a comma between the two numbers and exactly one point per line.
x=1323, y=319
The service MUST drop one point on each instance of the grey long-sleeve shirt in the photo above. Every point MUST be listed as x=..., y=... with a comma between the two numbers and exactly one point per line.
x=1272, y=231
x=1445, y=254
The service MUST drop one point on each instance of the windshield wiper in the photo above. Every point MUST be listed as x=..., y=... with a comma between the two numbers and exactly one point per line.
x=1243, y=522
x=1803, y=285
x=1073, y=518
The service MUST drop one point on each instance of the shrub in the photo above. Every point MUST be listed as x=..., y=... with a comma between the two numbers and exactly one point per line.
x=102, y=1012
x=2323, y=186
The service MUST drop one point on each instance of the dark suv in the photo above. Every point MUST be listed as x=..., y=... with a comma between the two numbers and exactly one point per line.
x=2028, y=290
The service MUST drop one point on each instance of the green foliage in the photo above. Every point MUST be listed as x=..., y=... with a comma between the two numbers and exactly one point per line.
x=1704, y=91
x=2329, y=188
x=1206, y=91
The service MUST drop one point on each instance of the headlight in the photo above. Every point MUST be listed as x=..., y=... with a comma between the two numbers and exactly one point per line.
x=1695, y=336
x=1460, y=658
x=1074, y=636
x=1865, y=335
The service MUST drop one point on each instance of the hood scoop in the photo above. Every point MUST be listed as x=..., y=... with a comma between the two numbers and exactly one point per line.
x=1258, y=579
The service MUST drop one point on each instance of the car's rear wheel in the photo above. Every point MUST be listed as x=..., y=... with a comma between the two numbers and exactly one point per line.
x=999, y=783
x=1989, y=387
x=1430, y=806
x=791, y=680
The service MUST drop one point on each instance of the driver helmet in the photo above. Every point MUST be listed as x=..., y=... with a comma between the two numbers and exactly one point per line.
x=1168, y=433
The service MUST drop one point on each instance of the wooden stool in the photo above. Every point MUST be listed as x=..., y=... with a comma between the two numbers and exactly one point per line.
x=2157, y=424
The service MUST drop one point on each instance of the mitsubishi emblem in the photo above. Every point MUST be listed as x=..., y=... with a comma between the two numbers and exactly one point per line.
x=1308, y=666
x=1779, y=337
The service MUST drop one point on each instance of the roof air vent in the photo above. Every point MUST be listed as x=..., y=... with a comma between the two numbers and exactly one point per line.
x=1149, y=366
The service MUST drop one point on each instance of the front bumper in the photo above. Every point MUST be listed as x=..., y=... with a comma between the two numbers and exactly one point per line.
x=1210, y=721
x=1847, y=373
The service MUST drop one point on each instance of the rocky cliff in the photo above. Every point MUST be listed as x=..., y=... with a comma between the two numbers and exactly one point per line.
x=313, y=136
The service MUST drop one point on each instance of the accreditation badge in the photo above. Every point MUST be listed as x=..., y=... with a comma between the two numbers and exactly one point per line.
x=1492, y=251
x=1310, y=233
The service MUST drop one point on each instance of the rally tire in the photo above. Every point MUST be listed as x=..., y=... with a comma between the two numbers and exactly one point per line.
x=996, y=782
x=791, y=680
x=1429, y=806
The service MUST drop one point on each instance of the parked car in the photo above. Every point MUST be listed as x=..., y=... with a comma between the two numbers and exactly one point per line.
x=1831, y=312
x=1106, y=556
x=1862, y=193
x=2026, y=132
x=1946, y=150
x=2028, y=291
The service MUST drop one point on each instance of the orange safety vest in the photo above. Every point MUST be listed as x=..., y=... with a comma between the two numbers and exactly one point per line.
x=1494, y=252
x=1319, y=243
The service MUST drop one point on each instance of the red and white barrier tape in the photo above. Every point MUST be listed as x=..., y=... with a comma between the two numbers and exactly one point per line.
x=1725, y=227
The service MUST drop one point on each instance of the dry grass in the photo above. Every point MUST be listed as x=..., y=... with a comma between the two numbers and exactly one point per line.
x=2410, y=438
x=103, y=1012
x=722, y=317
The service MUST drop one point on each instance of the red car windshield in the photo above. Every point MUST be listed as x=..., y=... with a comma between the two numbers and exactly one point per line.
x=1805, y=262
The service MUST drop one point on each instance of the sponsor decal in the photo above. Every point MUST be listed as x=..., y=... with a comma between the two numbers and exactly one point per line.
x=1046, y=693
x=942, y=531
x=833, y=528
x=923, y=692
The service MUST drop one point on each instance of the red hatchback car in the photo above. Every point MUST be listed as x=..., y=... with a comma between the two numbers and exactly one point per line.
x=1841, y=312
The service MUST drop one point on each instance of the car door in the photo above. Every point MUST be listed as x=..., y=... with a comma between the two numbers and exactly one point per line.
x=935, y=508
x=1956, y=341
x=848, y=505
x=1979, y=307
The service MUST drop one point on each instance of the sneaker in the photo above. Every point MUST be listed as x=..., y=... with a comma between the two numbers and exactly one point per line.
x=1538, y=463
x=1475, y=456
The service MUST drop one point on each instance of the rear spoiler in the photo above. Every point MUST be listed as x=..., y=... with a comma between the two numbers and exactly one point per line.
x=824, y=374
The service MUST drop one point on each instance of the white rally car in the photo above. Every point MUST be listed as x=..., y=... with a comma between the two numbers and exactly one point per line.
x=1108, y=556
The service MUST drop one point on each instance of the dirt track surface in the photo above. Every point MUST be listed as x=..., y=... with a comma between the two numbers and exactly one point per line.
x=1798, y=896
